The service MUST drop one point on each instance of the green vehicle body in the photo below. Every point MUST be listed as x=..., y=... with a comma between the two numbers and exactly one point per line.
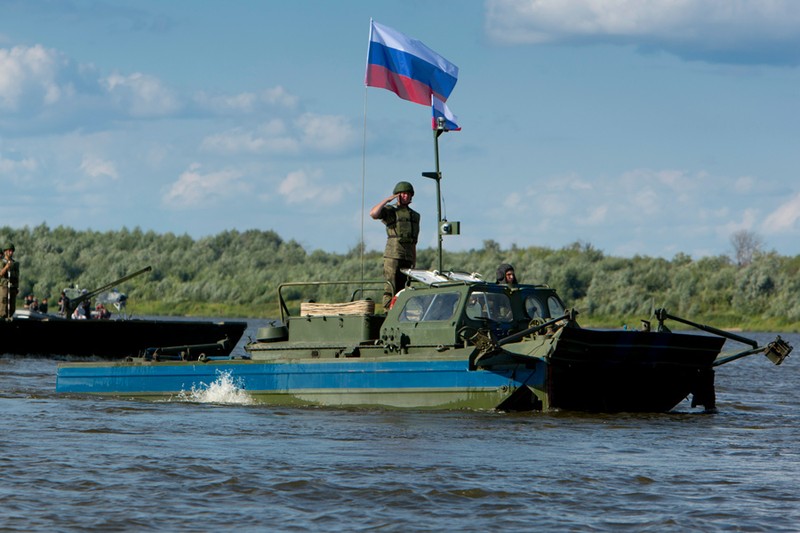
x=492, y=327
x=424, y=320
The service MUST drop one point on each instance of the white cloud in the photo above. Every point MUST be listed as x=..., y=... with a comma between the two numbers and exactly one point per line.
x=678, y=180
x=270, y=137
x=43, y=83
x=727, y=31
x=743, y=184
x=597, y=215
x=17, y=170
x=513, y=201
x=248, y=102
x=326, y=133
x=553, y=205
x=279, y=96
x=242, y=102
x=93, y=173
x=155, y=155
x=94, y=167
x=12, y=166
x=303, y=186
x=645, y=200
x=747, y=221
x=667, y=201
x=577, y=184
x=310, y=132
x=784, y=217
x=142, y=95
x=32, y=76
x=197, y=189
x=673, y=180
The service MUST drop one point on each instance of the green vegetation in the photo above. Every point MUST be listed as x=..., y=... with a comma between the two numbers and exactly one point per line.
x=236, y=274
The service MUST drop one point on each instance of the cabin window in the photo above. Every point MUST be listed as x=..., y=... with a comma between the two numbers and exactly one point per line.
x=556, y=307
x=430, y=307
x=492, y=305
x=534, y=307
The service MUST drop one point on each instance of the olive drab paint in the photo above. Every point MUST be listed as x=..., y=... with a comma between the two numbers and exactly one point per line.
x=402, y=231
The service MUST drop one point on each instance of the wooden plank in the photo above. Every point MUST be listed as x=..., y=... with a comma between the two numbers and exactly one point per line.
x=361, y=307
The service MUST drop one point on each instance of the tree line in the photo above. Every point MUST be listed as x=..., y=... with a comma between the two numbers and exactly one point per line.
x=236, y=273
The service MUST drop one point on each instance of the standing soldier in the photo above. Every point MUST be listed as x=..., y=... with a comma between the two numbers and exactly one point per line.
x=9, y=282
x=402, y=231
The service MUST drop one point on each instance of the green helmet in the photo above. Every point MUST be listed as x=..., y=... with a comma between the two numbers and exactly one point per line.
x=9, y=246
x=403, y=186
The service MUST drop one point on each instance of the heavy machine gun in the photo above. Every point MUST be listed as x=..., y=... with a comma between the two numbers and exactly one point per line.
x=70, y=304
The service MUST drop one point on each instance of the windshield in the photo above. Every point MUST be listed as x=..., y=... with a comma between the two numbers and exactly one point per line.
x=556, y=307
x=492, y=305
x=536, y=307
x=430, y=307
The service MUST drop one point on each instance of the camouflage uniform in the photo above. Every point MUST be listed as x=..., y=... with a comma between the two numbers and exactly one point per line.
x=9, y=288
x=402, y=231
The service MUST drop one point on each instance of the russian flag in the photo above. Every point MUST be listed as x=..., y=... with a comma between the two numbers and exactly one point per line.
x=407, y=67
x=441, y=111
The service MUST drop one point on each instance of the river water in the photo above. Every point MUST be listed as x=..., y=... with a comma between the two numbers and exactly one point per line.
x=215, y=462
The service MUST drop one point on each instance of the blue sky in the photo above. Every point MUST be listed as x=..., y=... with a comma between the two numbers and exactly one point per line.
x=640, y=127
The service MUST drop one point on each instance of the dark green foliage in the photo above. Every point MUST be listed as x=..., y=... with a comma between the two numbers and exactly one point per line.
x=241, y=271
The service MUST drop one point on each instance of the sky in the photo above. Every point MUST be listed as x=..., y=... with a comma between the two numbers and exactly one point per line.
x=639, y=127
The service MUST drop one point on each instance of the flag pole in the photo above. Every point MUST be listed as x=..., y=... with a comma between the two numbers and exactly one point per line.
x=437, y=176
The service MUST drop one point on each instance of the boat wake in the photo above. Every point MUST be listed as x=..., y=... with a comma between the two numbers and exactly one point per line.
x=224, y=390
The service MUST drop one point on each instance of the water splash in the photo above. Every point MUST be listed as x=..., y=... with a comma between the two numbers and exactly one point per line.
x=224, y=390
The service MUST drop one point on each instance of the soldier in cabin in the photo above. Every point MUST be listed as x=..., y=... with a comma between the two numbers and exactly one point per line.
x=402, y=232
x=505, y=275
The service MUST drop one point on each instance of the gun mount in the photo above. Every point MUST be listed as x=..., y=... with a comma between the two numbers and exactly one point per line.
x=72, y=303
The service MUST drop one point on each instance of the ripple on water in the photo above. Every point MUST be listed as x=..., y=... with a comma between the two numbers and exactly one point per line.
x=211, y=460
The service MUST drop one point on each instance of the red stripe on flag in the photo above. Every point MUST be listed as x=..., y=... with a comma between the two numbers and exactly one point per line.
x=403, y=86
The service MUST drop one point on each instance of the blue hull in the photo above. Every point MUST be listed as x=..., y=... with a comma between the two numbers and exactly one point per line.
x=398, y=383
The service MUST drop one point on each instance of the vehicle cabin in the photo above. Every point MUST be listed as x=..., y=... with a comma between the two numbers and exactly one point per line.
x=440, y=315
x=448, y=314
